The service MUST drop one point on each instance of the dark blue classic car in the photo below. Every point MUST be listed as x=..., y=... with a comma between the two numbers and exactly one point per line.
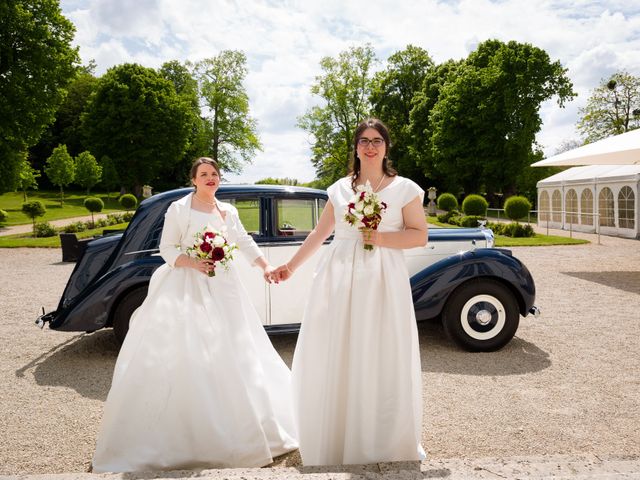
x=479, y=292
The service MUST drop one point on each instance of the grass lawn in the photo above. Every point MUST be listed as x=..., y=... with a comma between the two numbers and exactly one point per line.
x=536, y=241
x=26, y=240
x=73, y=205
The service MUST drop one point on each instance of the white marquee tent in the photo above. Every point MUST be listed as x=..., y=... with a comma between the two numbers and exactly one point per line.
x=594, y=198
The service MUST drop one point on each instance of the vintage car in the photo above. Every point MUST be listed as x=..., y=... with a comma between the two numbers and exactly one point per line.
x=478, y=292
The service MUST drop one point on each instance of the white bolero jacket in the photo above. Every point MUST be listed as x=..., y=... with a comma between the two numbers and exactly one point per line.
x=176, y=224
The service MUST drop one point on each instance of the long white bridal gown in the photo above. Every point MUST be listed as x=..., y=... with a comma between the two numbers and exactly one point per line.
x=197, y=383
x=356, y=367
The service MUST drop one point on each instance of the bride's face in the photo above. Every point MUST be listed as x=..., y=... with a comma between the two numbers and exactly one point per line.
x=207, y=179
x=371, y=147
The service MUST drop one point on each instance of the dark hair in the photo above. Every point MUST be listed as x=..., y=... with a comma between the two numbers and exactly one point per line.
x=382, y=129
x=203, y=161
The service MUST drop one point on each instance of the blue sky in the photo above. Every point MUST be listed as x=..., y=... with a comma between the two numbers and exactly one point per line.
x=285, y=40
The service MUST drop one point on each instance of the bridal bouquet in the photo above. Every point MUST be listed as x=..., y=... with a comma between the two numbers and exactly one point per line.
x=365, y=210
x=210, y=244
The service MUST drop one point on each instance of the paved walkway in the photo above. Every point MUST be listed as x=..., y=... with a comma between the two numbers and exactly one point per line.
x=26, y=228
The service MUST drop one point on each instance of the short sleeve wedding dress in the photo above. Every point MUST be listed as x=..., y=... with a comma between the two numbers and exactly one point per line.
x=356, y=368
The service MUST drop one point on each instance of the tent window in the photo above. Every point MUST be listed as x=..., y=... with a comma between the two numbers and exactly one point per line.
x=586, y=207
x=571, y=206
x=556, y=206
x=606, y=208
x=626, y=210
x=544, y=206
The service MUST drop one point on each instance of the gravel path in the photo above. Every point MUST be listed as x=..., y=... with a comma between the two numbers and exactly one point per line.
x=569, y=383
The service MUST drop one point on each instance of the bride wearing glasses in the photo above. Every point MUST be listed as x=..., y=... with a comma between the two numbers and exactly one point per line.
x=356, y=368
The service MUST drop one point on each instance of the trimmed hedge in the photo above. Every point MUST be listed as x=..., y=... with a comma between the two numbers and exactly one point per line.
x=44, y=229
x=447, y=202
x=128, y=201
x=517, y=207
x=475, y=205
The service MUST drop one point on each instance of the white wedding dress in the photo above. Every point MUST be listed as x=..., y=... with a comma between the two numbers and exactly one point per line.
x=197, y=383
x=356, y=367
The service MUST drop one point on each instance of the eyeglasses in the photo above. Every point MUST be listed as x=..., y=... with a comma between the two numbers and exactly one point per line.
x=376, y=142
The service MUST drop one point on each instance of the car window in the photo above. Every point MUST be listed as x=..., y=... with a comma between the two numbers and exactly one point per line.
x=297, y=216
x=249, y=213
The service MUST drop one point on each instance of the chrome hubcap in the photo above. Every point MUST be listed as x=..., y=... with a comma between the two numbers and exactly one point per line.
x=483, y=317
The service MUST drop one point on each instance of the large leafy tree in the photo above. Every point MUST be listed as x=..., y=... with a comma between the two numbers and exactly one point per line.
x=136, y=118
x=36, y=64
x=486, y=118
x=199, y=138
x=67, y=127
x=420, y=126
x=392, y=94
x=613, y=108
x=231, y=132
x=345, y=88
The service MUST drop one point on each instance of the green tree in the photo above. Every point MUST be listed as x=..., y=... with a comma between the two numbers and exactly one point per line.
x=345, y=89
x=136, y=118
x=33, y=210
x=93, y=204
x=613, y=108
x=199, y=138
x=392, y=96
x=232, y=131
x=28, y=178
x=60, y=169
x=277, y=181
x=110, y=178
x=88, y=172
x=486, y=118
x=421, y=126
x=36, y=64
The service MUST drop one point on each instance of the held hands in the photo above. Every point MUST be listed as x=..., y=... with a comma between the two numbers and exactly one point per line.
x=282, y=273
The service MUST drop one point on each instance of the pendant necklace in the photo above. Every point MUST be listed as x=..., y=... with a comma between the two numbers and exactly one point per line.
x=380, y=182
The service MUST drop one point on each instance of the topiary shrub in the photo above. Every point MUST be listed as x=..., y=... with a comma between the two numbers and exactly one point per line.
x=471, y=221
x=447, y=202
x=44, y=229
x=517, y=207
x=127, y=216
x=446, y=217
x=33, y=210
x=475, y=205
x=128, y=201
x=93, y=204
x=3, y=216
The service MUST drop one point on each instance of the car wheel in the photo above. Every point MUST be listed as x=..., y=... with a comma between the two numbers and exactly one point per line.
x=481, y=315
x=125, y=308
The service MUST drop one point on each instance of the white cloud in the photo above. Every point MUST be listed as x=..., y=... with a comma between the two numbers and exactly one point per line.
x=285, y=40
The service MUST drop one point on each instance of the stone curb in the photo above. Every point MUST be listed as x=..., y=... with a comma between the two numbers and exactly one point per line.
x=574, y=467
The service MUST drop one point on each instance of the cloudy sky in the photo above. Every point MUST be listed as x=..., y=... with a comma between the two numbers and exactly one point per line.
x=285, y=40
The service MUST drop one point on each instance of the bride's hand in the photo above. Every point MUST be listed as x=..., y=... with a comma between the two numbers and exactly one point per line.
x=268, y=275
x=203, y=266
x=370, y=236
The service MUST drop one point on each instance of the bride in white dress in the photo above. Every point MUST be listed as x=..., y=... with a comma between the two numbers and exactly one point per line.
x=356, y=367
x=197, y=383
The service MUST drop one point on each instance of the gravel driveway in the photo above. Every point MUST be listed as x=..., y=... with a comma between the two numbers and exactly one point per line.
x=569, y=383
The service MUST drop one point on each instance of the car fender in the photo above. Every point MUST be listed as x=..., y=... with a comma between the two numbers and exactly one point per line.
x=85, y=313
x=432, y=286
